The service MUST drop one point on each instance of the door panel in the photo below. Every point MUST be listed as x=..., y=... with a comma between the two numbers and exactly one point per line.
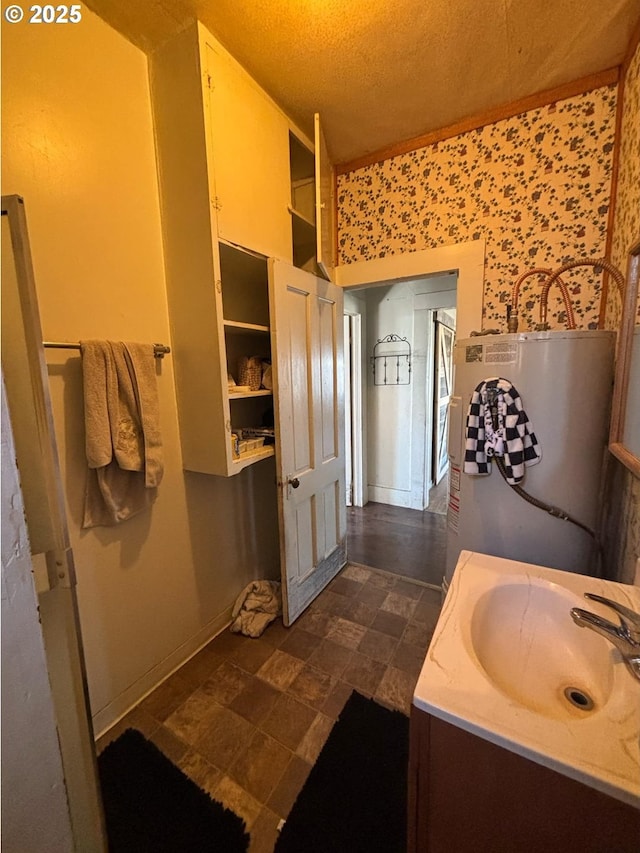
x=307, y=355
x=327, y=327
x=330, y=517
x=298, y=367
x=305, y=539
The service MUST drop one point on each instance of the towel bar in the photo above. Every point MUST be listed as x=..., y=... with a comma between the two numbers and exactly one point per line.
x=159, y=350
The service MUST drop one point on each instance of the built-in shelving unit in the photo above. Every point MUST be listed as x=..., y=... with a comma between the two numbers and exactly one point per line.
x=238, y=185
x=245, y=308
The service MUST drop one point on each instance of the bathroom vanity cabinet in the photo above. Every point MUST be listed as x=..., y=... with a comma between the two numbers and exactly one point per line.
x=469, y=795
x=239, y=184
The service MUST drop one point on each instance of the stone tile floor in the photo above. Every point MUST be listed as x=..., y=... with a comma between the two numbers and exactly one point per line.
x=246, y=718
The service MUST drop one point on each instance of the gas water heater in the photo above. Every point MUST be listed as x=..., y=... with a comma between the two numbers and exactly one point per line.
x=565, y=381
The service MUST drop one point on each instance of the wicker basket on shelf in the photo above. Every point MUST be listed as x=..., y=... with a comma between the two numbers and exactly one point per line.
x=250, y=372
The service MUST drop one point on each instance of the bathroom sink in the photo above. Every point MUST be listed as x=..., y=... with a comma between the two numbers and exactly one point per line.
x=507, y=663
x=524, y=639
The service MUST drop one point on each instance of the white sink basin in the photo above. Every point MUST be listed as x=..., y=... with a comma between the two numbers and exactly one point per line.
x=526, y=642
x=507, y=663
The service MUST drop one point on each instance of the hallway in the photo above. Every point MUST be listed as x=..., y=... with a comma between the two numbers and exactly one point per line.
x=247, y=718
x=406, y=542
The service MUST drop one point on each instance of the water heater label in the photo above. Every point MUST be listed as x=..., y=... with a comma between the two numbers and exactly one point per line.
x=498, y=353
x=454, y=478
x=506, y=353
x=473, y=353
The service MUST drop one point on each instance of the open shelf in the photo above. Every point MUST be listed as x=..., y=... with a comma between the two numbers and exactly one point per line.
x=250, y=458
x=303, y=204
x=304, y=242
x=245, y=293
x=235, y=327
x=243, y=395
x=301, y=160
x=304, y=221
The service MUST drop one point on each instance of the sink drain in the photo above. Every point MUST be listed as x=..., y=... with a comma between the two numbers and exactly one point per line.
x=579, y=699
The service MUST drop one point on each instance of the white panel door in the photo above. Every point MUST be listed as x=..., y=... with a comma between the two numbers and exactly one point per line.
x=307, y=355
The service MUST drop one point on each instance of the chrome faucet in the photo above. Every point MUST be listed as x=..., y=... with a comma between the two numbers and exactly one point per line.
x=625, y=636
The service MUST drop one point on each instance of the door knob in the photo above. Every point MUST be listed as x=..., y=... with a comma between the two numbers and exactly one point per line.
x=294, y=482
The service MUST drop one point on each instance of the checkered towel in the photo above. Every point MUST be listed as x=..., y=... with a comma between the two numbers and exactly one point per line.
x=509, y=435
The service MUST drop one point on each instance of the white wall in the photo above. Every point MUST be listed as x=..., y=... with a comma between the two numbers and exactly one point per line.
x=389, y=411
x=78, y=146
x=35, y=814
x=399, y=417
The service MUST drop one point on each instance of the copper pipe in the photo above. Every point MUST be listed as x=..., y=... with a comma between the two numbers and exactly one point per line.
x=513, y=316
x=512, y=323
x=600, y=263
x=571, y=322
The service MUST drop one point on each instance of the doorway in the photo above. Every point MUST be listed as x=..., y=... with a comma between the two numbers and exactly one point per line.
x=397, y=430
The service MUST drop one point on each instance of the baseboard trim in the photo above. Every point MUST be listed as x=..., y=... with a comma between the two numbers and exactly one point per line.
x=119, y=707
x=391, y=497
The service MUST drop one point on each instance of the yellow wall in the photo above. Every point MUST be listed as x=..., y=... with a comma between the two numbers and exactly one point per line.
x=78, y=146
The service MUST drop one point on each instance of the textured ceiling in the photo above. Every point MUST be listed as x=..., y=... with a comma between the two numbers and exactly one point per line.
x=383, y=71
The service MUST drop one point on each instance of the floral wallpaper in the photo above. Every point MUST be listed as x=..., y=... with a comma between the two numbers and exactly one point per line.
x=536, y=187
x=626, y=229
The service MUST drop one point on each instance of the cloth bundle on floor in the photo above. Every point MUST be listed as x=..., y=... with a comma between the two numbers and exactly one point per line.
x=511, y=436
x=122, y=430
x=258, y=604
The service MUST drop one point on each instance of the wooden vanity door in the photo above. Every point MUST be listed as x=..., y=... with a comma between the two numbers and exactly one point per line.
x=307, y=354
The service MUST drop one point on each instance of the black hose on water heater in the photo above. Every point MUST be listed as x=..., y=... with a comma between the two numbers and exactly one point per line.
x=552, y=510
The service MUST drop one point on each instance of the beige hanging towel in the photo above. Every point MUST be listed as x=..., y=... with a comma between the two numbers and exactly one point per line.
x=122, y=430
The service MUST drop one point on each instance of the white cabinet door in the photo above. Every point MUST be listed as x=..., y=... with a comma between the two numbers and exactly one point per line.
x=249, y=141
x=325, y=204
x=307, y=354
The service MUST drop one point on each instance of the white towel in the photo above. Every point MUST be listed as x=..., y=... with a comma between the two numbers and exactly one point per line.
x=122, y=429
x=258, y=604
